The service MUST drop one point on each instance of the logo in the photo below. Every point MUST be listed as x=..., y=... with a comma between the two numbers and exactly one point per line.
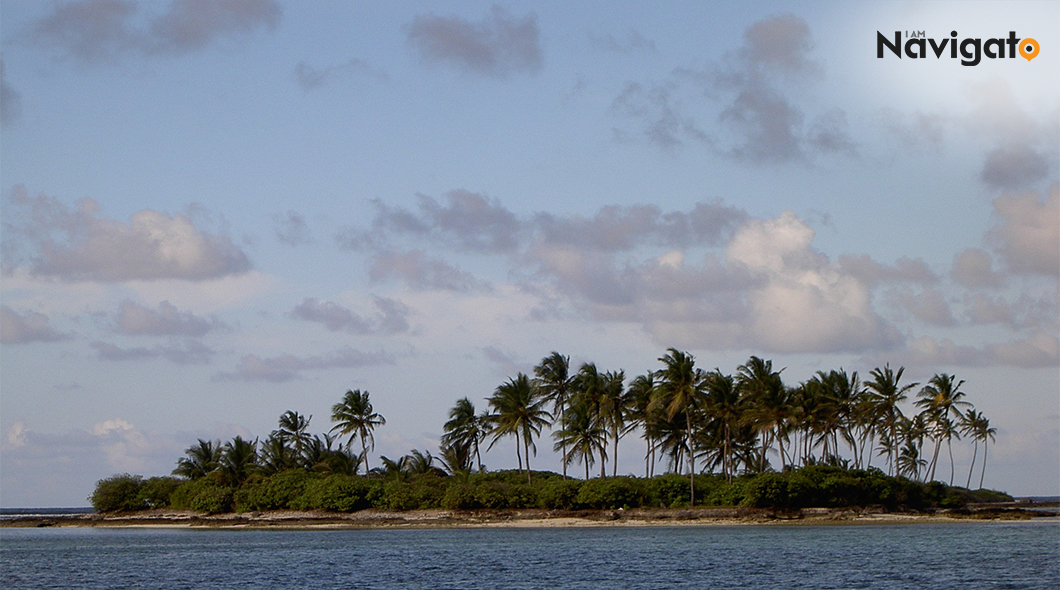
x=972, y=51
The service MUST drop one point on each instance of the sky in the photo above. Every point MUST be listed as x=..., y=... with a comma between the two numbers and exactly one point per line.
x=215, y=211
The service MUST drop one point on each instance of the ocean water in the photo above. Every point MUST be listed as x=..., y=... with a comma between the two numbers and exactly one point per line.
x=975, y=555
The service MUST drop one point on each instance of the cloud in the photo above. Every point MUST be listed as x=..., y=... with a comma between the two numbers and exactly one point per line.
x=187, y=351
x=287, y=367
x=972, y=267
x=422, y=272
x=94, y=31
x=30, y=326
x=1028, y=235
x=871, y=272
x=390, y=317
x=136, y=320
x=497, y=46
x=928, y=306
x=666, y=125
x=630, y=42
x=291, y=229
x=1037, y=351
x=191, y=25
x=1014, y=167
x=311, y=78
x=10, y=99
x=77, y=244
x=1026, y=312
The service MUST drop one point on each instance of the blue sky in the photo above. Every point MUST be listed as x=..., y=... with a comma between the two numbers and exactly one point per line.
x=218, y=210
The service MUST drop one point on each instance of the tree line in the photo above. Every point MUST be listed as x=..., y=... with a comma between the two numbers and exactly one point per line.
x=693, y=420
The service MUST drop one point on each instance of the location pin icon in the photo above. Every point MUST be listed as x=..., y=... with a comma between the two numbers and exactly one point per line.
x=1029, y=48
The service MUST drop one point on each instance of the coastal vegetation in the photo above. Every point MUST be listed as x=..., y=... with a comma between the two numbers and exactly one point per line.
x=741, y=439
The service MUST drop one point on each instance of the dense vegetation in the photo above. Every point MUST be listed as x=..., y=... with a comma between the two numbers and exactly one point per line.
x=722, y=431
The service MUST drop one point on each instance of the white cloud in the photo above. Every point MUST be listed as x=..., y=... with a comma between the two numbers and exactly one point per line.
x=287, y=367
x=1028, y=234
x=29, y=326
x=498, y=45
x=134, y=319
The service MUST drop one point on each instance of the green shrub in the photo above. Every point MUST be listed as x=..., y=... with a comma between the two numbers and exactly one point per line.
x=723, y=494
x=766, y=490
x=337, y=493
x=669, y=490
x=460, y=496
x=401, y=495
x=609, y=493
x=558, y=494
x=203, y=495
x=492, y=494
x=156, y=491
x=118, y=493
x=280, y=491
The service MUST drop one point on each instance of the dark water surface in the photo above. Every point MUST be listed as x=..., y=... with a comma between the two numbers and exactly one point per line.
x=977, y=555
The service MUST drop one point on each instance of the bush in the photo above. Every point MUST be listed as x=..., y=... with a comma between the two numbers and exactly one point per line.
x=281, y=491
x=203, y=495
x=118, y=493
x=558, y=494
x=669, y=490
x=156, y=491
x=337, y=493
x=766, y=490
x=400, y=495
x=609, y=493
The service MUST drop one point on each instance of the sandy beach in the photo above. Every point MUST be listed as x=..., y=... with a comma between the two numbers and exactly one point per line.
x=522, y=518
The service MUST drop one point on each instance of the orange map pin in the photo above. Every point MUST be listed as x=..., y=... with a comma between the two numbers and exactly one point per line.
x=1029, y=48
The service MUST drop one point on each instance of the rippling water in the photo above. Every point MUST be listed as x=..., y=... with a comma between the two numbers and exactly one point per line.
x=932, y=556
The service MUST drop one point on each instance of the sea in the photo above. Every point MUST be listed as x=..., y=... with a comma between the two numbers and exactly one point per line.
x=962, y=555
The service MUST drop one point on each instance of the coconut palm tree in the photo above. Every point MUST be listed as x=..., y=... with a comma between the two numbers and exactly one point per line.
x=723, y=404
x=941, y=400
x=640, y=393
x=277, y=455
x=984, y=431
x=975, y=425
x=885, y=393
x=613, y=405
x=200, y=460
x=680, y=389
x=518, y=411
x=239, y=458
x=581, y=435
x=292, y=429
x=769, y=402
x=555, y=383
x=466, y=429
x=354, y=416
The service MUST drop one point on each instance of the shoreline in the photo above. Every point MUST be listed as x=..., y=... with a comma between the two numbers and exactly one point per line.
x=526, y=518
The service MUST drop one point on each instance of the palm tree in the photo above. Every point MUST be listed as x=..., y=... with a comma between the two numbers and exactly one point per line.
x=354, y=416
x=201, y=459
x=977, y=426
x=680, y=389
x=518, y=411
x=277, y=455
x=581, y=435
x=983, y=431
x=613, y=412
x=465, y=429
x=640, y=393
x=239, y=458
x=725, y=406
x=940, y=399
x=293, y=428
x=554, y=383
x=768, y=401
x=885, y=394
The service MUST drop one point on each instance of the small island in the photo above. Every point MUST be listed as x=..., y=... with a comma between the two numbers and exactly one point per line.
x=717, y=433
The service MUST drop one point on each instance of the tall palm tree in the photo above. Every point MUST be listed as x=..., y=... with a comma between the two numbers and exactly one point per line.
x=466, y=429
x=613, y=405
x=983, y=431
x=885, y=393
x=239, y=458
x=555, y=383
x=277, y=455
x=768, y=401
x=354, y=416
x=518, y=411
x=968, y=425
x=201, y=459
x=640, y=393
x=724, y=405
x=941, y=400
x=581, y=435
x=680, y=389
x=292, y=429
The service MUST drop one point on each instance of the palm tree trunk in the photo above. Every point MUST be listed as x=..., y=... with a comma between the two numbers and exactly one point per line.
x=364, y=454
x=975, y=450
x=983, y=473
x=526, y=446
x=691, y=459
x=614, y=458
x=934, y=459
x=563, y=420
x=518, y=455
x=949, y=447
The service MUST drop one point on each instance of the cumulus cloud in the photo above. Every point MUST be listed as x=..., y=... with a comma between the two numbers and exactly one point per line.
x=1028, y=234
x=92, y=31
x=422, y=272
x=111, y=352
x=390, y=317
x=666, y=125
x=497, y=46
x=10, y=99
x=1023, y=313
x=871, y=272
x=1014, y=167
x=312, y=78
x=78, y=244
x=973, y=267
x=928, y=306
x=136, y=320
x=287, y=367
x=26, y=327
x=291, y=229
